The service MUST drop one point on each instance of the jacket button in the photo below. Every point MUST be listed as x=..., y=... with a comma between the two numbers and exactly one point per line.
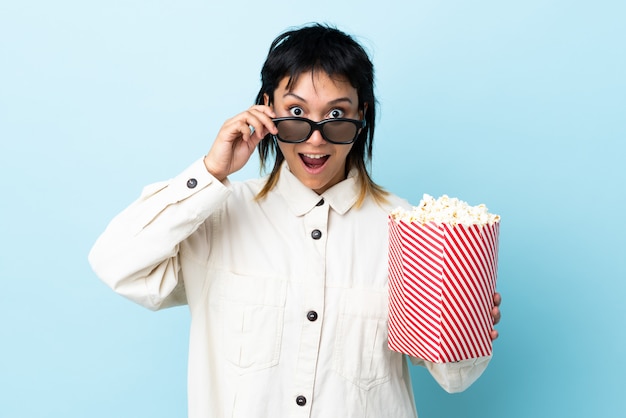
x=316, y=234
x=311, y=316
x=301, y=400
x=320, y=203
x=191, y=183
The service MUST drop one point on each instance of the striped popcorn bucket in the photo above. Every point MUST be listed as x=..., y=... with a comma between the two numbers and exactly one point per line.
x=441, y=284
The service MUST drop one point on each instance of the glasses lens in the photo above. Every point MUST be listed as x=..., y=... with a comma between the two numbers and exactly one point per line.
x=293, y=130
x=340, y=131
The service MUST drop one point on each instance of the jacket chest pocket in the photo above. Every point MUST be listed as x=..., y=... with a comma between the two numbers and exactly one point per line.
x=252, y=316
x=361, y=355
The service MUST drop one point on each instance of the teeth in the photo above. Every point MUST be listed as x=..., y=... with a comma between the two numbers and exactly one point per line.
x=314, y=156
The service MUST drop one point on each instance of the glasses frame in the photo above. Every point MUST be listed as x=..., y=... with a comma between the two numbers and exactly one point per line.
x=318, y=126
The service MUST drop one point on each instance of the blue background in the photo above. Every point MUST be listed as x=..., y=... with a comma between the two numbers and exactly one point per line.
x=517, y=104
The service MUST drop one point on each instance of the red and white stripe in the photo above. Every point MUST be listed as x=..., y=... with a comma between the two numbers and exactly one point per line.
x=441, y=283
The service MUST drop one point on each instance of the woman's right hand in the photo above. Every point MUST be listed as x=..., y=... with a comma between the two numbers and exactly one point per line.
x=235, y=142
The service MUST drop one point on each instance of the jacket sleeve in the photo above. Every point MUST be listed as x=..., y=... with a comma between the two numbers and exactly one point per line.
x=457, y=376
x=137, y=254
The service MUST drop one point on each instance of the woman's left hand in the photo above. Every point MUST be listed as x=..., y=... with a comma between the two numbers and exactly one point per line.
x=495, y=313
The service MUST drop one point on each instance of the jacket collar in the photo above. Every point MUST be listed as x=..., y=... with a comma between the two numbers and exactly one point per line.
x=300, y=199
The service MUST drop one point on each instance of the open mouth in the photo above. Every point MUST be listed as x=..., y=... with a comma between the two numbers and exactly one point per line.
x=314, y=161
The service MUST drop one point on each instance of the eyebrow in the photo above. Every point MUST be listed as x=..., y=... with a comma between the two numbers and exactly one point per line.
x=332, y=102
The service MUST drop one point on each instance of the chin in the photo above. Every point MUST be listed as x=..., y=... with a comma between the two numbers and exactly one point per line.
x=314, y=184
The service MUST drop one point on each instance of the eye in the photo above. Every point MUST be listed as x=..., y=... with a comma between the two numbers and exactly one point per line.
x=296, y=111
x=336, y=113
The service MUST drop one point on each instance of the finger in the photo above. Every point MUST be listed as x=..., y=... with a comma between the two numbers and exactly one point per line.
x=497, y=299
x=261, y=121
x=237, y=128
x=251, y=126
x=263, y=109
x=248, y=120
x=251, y=130
x=494, y=334
x=495, y=314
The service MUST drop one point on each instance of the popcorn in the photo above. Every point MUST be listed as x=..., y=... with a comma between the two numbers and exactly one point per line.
x=446, y=210
x=443, y=260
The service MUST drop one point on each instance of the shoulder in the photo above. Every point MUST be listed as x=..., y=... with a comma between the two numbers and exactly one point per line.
x=244, y=196
x=378, y=210
x=394, y=201
x=390, y=203
x=247, y=188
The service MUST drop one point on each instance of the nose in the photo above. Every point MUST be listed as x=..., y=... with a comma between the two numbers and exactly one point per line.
x=316, y=138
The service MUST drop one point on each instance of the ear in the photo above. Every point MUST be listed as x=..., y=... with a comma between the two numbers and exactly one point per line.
x=266, y=99
x=363, y=111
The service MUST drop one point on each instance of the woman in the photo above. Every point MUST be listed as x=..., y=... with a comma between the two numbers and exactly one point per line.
x=285, y=276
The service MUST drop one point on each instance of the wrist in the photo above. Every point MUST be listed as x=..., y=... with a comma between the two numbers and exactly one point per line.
x=215, y=173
